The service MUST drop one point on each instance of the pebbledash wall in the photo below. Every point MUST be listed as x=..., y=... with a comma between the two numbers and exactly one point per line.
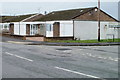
x=86, y=30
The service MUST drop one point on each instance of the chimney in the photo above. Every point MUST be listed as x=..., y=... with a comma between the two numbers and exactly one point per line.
x=45, y=12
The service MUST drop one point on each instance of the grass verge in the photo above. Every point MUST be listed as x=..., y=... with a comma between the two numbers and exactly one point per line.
x=87, y=41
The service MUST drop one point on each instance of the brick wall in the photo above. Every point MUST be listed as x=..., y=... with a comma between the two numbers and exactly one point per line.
x=58, y=38
x=35, y=38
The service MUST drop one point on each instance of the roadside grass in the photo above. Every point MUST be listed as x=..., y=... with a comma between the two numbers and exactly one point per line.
x=87, y=41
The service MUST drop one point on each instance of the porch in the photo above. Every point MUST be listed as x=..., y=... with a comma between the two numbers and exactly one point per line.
x=35, y=29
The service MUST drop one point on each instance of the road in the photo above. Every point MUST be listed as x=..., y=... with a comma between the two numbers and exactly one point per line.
x=40, y=61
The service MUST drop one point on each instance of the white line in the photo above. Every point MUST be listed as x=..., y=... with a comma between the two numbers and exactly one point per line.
x=20, y=57
x=76, y=72
x=24, y=58
x=9, y=53
x=116, y=60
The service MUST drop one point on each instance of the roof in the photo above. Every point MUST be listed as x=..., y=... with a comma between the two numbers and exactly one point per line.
x=68, y=14
x=15, y=18
x=64, y=15
x=3, y=18
x=33, y=18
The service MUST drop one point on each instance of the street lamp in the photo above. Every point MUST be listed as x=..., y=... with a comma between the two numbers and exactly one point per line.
x=98, y=20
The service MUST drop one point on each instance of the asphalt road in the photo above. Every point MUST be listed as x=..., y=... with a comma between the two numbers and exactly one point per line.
x=40, y=61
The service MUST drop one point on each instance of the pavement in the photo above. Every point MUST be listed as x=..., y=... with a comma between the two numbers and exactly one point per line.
x=43, y=61
x=29, y=42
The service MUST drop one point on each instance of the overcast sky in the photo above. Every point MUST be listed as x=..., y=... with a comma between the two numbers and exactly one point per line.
x=29, y=7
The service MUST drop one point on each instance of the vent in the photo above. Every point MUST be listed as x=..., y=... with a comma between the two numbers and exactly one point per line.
x=53, y=13
x=95, y=10
x=81, y=10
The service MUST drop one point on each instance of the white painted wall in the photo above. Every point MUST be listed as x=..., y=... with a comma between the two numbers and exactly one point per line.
x=5, y=26
x=66, y=29
x=83, y=30
x=19, y=28
x=16, y=28
x=113, y=30
x=48, y=32
x=0, y=27
x=22, y=29
x=86, y=30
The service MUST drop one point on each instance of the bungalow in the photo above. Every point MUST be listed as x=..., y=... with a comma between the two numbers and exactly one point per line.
x=80, y=24
x=15, y=24
x=4, y=25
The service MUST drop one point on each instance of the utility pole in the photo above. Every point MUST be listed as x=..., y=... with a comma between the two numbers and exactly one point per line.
x=98, y=20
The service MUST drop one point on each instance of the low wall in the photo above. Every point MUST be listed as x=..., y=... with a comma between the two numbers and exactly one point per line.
x=28, y=37
x=35, y=38
x=14, y=36
x=58, y=38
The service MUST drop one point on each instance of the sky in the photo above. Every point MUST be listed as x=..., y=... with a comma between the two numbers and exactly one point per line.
x=11, y=7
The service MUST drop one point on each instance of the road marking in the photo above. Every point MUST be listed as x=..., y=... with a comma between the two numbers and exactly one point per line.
x=19, y=57
x=9, y=53
x=67, y=51
x=76, y=72
x=101, y=57
x=16, y=42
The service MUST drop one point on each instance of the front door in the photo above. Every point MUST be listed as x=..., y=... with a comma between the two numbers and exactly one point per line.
x=11, y=29
x=56, y=29
x=28, y=29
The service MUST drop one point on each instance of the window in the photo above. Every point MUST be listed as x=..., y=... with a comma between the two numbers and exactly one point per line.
x=33, y=29
x=5, y=26
x=49, y=27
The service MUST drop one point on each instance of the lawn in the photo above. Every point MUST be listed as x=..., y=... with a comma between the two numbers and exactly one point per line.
x=87, y=41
